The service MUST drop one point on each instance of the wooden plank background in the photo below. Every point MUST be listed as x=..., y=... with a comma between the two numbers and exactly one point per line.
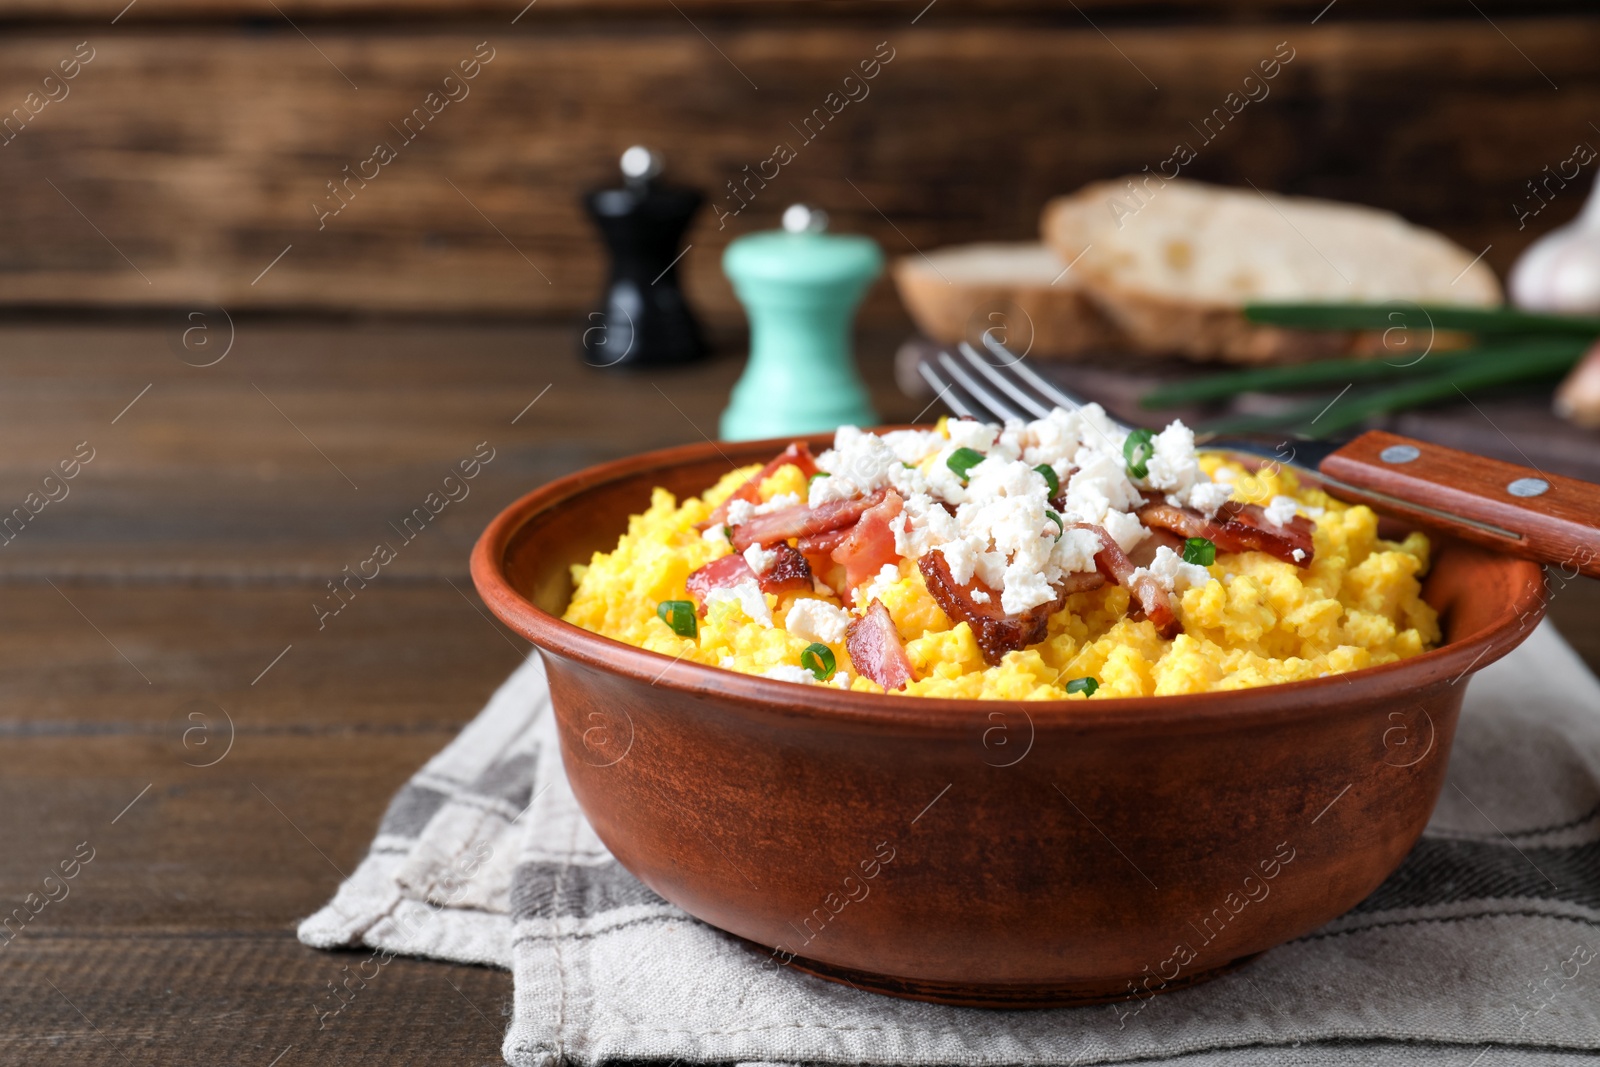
x=99, y=11
x=178, y=576
x=188, y=153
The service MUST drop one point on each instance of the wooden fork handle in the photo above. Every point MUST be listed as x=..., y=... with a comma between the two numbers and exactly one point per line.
x=1551, y=519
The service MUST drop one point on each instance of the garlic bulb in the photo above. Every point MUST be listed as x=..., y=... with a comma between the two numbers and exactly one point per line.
x=1578, y=398
x=1560, y=272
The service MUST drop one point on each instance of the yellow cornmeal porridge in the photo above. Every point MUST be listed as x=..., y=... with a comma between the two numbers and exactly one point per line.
x=1262, y=620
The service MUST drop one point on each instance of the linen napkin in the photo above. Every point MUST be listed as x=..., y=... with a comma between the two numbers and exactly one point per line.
x=1483, y=947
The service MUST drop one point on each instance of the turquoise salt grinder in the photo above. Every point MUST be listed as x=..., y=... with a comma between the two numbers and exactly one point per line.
x=800, y=288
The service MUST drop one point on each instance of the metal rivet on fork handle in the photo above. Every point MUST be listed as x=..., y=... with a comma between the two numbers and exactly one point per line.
x=1528, y=487
x=1399, y=454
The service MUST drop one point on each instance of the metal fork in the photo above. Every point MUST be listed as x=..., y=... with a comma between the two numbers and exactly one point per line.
x=1451, y=491
x=977, y=388
x=1007, y=388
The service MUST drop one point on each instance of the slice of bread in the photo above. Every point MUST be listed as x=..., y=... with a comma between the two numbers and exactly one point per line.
x=1021, y=293
x=1172, y=262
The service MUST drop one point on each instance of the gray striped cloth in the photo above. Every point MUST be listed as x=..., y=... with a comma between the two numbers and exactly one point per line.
x=1483, y=948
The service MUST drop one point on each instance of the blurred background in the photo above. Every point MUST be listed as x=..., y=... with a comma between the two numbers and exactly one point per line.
x=199, y=141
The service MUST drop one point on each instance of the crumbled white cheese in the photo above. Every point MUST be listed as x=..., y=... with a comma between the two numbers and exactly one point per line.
x=1204, y=497
x=861, y=463
x=841, y=680
x=739, y=512
x=787, y=673
x=924, y=523
x=1024, y=588
x=726, y=663
x=875, y=589
x=1099, y=486
x=1054, y=439
x=1174, y=470
x=760, y=559
x=996, y=524
x=1299, y=555
x=1076, y=550
x=961, y=558
x=817, y=620
x=910, y=446
x=715, y=534
x=970, y=433
x=1125, y=529
x=748, y=595
x=1282, y=510
x=1171, y=572
x=777, y=503
x=980, y=597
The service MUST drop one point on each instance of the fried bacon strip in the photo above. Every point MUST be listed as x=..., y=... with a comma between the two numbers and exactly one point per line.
x=789, y=571
x=802, y=521
x=819, y=547
x=1237, y=528
x=1150, y=599
x=818, y=551
x=875, y=648
x=797, y=453
x=869, y=545
x=1144, y=553
x=996, y=631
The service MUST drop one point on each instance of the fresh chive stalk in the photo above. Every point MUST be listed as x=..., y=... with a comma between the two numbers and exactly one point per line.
x=1398, y=313
x=1319, y=418
x=1344, y=371
x=1442, y=387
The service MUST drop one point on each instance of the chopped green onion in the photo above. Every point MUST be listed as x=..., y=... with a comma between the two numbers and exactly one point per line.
x=727, y=534
x=963, y=460
x=1137, y=450
x=814, y=475
x=679, y=614
x=1199, y=550
x=1048, y=473
x=818, y=659
x=1053, y=517
x=1086, y=686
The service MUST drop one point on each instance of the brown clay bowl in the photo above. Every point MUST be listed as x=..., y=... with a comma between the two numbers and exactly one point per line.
x=987, y=853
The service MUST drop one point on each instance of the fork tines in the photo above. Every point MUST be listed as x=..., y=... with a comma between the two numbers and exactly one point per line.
x=992, y=386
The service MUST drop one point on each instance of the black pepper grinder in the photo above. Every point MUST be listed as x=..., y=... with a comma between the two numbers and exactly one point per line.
x=645, y=320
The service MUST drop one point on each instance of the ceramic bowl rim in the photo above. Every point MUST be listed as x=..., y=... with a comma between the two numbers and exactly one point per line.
x=1285, y=701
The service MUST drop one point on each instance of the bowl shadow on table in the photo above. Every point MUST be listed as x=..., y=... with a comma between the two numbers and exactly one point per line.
x=1113, y=849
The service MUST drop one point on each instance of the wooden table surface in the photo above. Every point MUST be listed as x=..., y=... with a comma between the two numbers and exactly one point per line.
x=158, y=618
